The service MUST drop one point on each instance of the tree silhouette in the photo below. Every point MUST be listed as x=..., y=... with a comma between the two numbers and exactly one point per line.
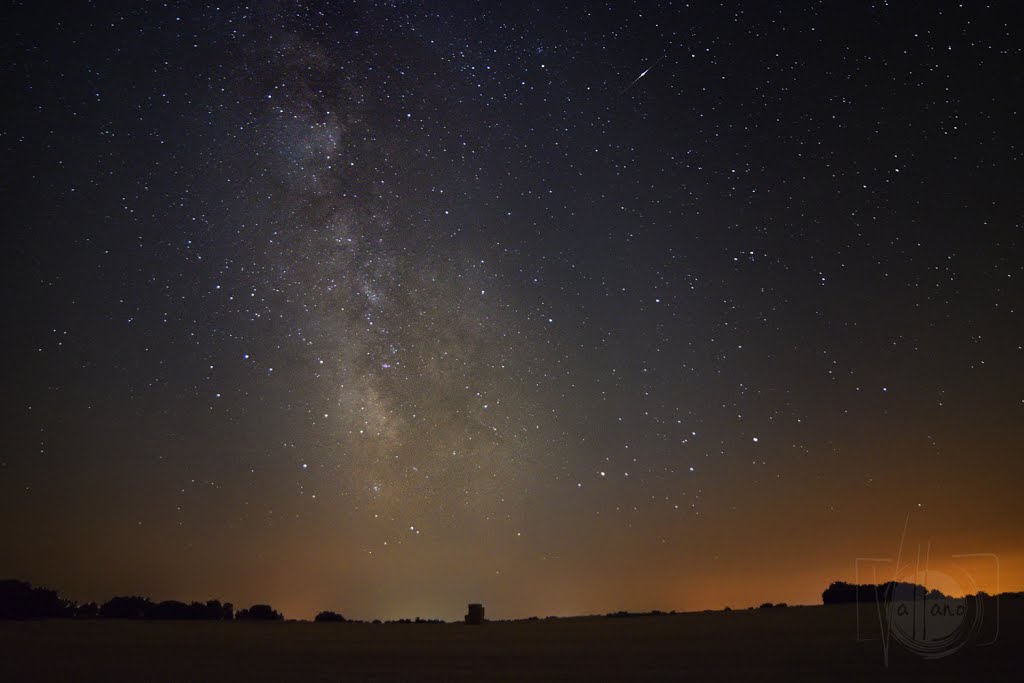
x=127, y=607
x=259, y=613
x=89, y=610
x=19, y=600
x=329, y=616
x=841, y=592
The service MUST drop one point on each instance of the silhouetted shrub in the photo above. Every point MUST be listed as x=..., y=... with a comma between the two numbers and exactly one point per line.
x=170, y=609
x=211, y=610
x=226, y=610
x=89, y=610
x=653, y=613
x=841, y=592
x=134, y=607
x=766, y=605
x=19, y=600
x=417, y=620
x=127, y=607
x=329, y=616
x=259, y=613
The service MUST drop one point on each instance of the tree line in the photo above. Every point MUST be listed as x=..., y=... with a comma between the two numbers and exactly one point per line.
x=22, y=600
x=841, y=592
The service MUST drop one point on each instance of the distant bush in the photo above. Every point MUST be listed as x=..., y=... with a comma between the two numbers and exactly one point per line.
x=766, y=605
x=329, y=616
x=19, y=600
x=227, y=610
x=841, y=592
x=169, y=609
x=259, y=613
x=89, y=610
x=127, y=607
x=417, y=620
x=624, y=614
x=135, y=607
x=212, y=610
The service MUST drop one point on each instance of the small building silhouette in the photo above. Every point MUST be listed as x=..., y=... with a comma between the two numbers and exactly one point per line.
x=475, y=613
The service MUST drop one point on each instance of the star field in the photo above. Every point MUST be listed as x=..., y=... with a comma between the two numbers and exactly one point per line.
x=384, y=308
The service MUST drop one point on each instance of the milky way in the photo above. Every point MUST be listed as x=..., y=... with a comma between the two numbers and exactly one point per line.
x=418, y=368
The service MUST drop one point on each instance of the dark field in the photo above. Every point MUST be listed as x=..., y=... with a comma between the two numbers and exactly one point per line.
x=791, y=644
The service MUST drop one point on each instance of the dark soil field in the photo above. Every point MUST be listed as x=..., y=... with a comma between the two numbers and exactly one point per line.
x=786, y=644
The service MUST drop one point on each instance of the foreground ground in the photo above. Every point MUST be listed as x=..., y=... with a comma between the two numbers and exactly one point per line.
x=791, y=644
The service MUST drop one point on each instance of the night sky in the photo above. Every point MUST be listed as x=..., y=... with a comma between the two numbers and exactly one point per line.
x=390, y=307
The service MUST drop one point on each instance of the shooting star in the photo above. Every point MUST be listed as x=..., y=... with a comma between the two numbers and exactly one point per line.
x=642, y=74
